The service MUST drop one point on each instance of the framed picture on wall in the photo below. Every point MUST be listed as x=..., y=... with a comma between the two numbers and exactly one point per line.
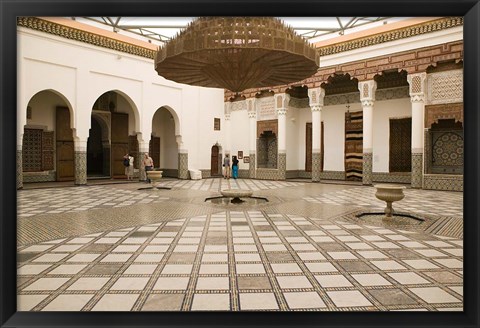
x=246, y=159
x=240, y=154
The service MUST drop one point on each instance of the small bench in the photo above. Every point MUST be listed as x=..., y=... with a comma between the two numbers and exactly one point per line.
x=195, y=174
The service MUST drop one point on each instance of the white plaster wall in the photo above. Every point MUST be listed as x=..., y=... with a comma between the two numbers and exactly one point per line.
x=382, y=112
x=240, y=127
x=334, y=134
x=81, y=73
x=210, y=107
x=296, y=120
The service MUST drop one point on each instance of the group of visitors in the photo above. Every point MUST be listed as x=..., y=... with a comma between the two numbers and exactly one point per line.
x=234, y=168
x=128, y=163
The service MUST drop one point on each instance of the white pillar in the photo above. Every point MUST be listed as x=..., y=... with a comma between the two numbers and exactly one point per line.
x=252, y=118
x=316, y=97
x=281, y=106
x=367, y=97
x=228, y=143
x=417, y=97
x=142, y=150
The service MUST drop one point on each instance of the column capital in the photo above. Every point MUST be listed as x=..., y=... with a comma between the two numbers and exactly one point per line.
x=367, y=91
x=227, y=105
x=316, y=96
x=281, y=103
x=417, y=86
x=316, y=108
x=367, y=102
x=417, y=98
x=251, y=109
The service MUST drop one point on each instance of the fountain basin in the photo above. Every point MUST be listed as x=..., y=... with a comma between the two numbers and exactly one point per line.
x=236, y=194
x=389, y=194
x=155, y=177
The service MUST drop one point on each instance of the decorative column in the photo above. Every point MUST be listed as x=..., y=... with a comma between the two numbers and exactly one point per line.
x=281, y=106
x=182, y=159
x=417, y=97
x=20, y=163
x=252, y=118
x=142, y=150
x=367, y=97
x=316, y=96
x=80, y=161
x=228, y=143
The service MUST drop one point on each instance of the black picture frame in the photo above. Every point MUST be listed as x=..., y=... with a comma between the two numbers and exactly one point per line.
x=10, y=9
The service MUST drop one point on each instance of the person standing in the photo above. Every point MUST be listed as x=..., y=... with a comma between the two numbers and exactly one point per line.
x=234, y=167
x=226, y=165
x=148, y=165
x=128, y=163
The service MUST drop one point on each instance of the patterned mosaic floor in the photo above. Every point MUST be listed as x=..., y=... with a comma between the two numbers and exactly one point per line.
x=247, y=259
x=418, y=201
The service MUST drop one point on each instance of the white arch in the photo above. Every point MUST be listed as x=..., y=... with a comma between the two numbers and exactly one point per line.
x=64, y=99
x=176, y=119
x=130, y=101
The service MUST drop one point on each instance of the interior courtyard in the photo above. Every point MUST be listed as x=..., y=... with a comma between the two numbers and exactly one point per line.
x=384, y=108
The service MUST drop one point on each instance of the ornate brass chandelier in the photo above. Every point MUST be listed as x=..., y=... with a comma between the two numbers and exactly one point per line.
x=237, y=53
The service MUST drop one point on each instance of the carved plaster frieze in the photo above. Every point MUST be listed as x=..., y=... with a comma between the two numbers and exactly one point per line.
x=266, y=108
x=445, y=87
x=298, y=102
x=392, y=93
x=349, y=98
x=238, y=105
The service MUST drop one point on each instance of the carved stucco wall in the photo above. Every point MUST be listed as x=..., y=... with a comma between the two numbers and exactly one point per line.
x=445, y=87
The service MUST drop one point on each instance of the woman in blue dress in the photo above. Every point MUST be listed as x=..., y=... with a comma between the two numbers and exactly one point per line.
x=234, y=167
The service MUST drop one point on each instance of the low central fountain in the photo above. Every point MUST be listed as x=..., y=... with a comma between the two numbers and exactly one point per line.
x=236, y=195
x=389, y=194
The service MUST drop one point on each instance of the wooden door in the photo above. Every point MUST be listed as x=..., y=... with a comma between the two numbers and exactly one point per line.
x=308, y=147
x=65, y=147
x=215, y=161
x=400, y=159
x=354, y=146
x=133, y=150
x=154, y=150
x=119, y=144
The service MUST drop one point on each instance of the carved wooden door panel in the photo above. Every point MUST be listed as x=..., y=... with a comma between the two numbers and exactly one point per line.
x=400, y=145
x=214, y=161
x=354, y=146
x=133, y=150
x=65, y=147
x=154, y=150
x=308, y=147
x=119, y=144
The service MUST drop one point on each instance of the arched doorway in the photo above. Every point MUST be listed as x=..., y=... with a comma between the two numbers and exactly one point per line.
x=163, y=146
x=111, y=136
x=47, y=147
x=98, y=149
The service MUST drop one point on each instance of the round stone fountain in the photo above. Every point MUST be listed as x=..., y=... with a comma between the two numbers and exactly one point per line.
x=236, y=194
x=389, y=194
x=155, y=177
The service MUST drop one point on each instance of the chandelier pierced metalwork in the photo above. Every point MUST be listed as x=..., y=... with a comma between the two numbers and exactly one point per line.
x=237, y=53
